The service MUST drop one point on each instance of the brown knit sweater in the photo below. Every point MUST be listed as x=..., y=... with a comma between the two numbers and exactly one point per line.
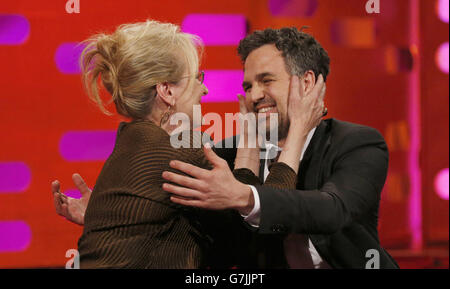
x=130, y=221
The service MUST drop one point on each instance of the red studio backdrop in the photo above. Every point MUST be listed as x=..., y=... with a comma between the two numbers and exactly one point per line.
x=388, y=71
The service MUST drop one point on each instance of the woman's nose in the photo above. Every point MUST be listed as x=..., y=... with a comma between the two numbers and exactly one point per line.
x=204, y=89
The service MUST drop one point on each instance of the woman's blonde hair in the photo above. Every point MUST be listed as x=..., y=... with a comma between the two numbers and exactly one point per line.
x=132, y=60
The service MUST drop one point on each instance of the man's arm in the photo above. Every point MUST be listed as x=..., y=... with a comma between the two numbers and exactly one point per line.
x=352, y=191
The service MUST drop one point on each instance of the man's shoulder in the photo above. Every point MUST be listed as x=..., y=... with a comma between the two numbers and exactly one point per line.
x=346, y=135
x=343, y=127
x=340, y=129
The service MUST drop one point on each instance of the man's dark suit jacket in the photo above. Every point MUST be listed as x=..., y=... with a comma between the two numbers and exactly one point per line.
x=336, y=203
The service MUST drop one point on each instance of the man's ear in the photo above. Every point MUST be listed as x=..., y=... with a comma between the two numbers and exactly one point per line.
x=165, y=92
x=309, y=81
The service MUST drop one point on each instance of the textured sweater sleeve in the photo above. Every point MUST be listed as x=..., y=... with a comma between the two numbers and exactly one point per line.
x=246, y=176
x=281, y=176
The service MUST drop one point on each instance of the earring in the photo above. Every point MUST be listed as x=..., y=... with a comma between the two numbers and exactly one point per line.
x=165, y=116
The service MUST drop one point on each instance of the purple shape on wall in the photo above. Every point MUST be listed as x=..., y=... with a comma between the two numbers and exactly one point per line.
x=73, y=193
x=442, y=8
x=14, y=29
x=79, y=146
x=223, y=85
x=293, y=8
x=441, y=184
x=442, y=57
x=216, y=29
x=67, y=57
x=15, y=236
x=15, y=177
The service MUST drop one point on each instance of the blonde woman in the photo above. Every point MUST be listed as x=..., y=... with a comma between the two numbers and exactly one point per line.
x=151, y=71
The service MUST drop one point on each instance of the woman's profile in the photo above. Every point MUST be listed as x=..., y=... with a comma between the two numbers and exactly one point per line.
x=151, y=71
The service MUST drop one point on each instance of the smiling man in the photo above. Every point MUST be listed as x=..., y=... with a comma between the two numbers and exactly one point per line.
x=267, y=75
x=330, y=219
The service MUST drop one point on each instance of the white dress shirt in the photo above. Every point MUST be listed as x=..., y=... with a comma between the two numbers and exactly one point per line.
x=292, y=240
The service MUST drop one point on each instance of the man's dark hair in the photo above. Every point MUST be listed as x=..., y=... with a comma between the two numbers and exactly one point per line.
x=300, y=50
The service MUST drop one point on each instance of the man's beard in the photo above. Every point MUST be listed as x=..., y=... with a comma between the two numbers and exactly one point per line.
x=283, y=127
x=275, y=133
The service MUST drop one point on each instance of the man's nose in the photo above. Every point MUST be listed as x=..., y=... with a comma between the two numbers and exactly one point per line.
x=257, y=94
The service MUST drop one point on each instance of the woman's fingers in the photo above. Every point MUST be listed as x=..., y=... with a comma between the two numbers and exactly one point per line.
x=59, y=199
x=316, y=92
x=322, y=92
x=55, y=186
x=81, y=185
x=296, y=89
x=242, y=107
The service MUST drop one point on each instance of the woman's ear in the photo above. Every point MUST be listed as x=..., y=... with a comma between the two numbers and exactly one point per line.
x=165, y=92
x=309, y=81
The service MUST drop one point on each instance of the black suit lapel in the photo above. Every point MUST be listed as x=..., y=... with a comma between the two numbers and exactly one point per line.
x=312, y=162
x=309, y=174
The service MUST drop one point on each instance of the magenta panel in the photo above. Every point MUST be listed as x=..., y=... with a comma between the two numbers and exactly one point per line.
x=293, y=8
x=442, y=8
x=441, y=184
x=81, y=146
x=14, y=29
x=15, y=177
x=216, y=29
x=15, y=236
x=442, y=57
x=73, y=193
x=223, y=85
x=67, y=57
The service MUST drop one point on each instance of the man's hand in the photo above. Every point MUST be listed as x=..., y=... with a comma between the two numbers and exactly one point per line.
x=70, y=208
x=215, y=189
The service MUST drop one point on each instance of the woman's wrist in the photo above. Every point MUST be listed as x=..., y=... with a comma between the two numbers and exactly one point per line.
x=247, y=158
x=293, y=146
x=297, y=131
